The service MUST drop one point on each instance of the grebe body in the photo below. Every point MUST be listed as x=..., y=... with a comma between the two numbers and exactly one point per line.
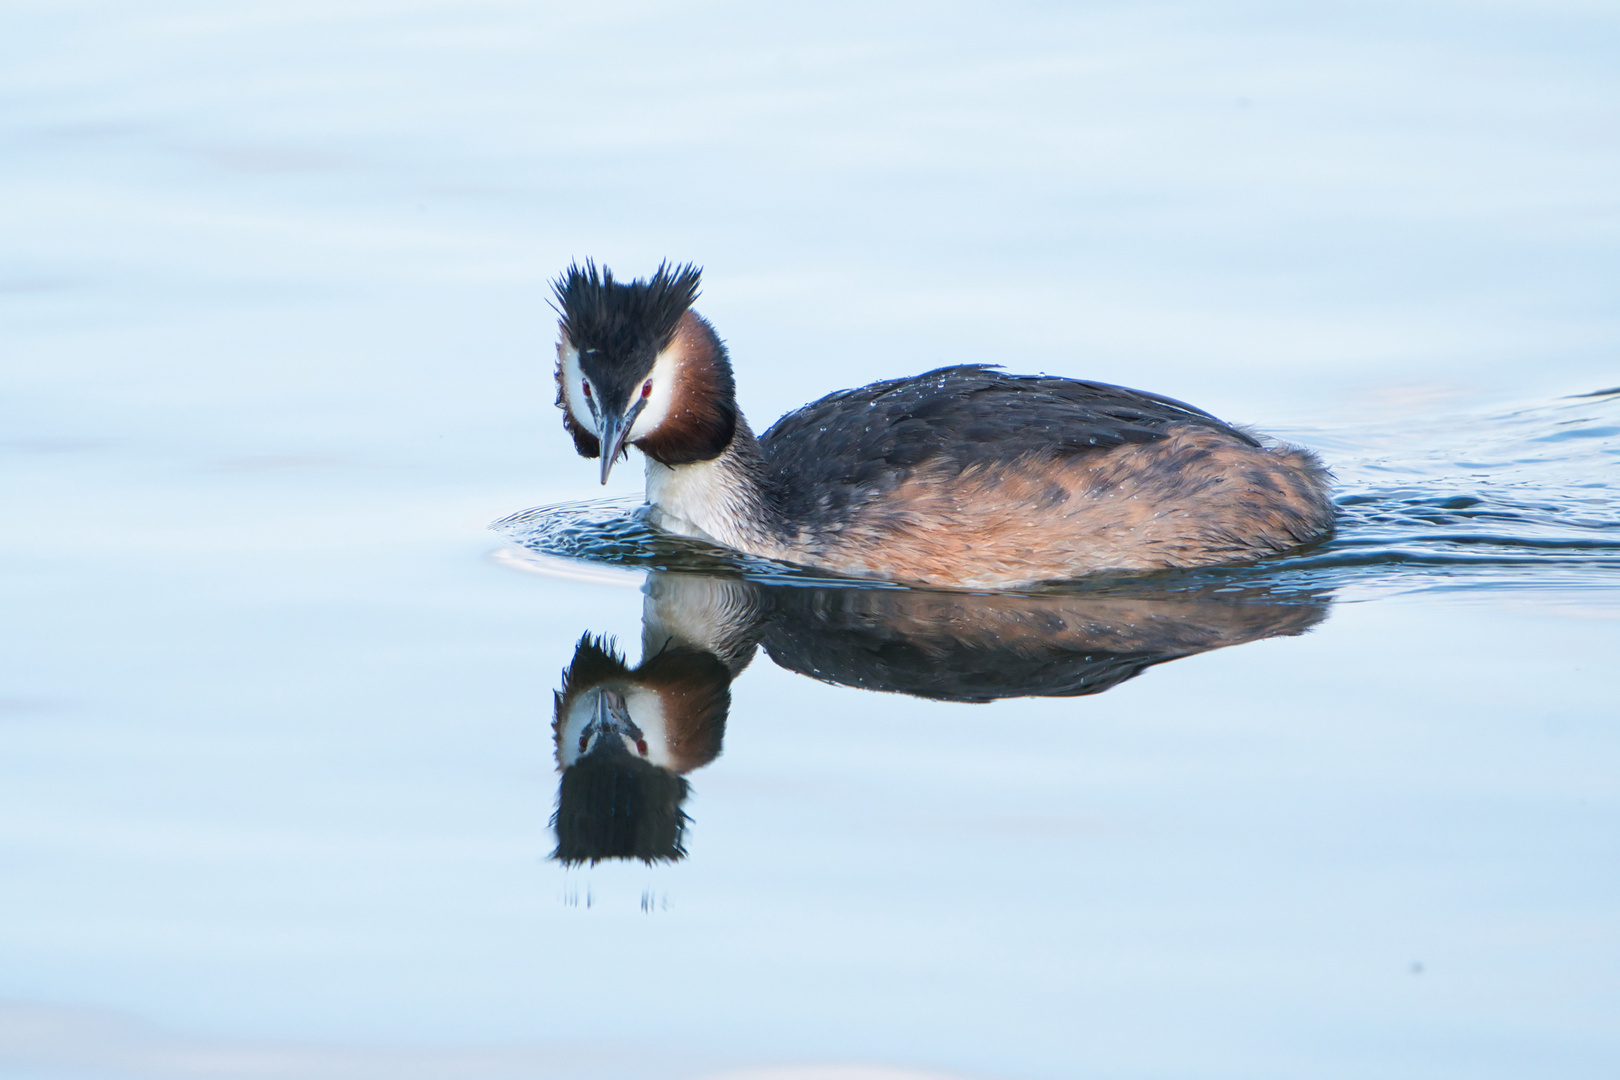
x=965, y=476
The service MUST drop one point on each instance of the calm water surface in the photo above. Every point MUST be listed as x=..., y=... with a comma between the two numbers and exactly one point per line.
x=279, y=782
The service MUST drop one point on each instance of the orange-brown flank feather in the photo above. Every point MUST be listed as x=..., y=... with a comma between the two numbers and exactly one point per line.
x=1196, y=497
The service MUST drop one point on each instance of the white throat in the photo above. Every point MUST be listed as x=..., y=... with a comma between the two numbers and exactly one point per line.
x=701, y=499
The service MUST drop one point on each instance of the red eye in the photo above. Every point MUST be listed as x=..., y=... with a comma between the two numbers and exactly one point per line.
x=586, y=387
x=646, y=388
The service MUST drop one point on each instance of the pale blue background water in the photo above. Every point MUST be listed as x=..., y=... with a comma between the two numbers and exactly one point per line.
x=274, y=757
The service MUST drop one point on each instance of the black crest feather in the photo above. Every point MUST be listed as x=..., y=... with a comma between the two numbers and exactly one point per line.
x=625, y=321
x=614, y=806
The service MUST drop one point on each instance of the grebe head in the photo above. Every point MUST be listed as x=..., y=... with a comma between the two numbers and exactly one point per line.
x=624, y=739
x=670, y=711
x=636, y=366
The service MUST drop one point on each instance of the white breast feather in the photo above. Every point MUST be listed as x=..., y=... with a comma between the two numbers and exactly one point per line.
x=698, y=500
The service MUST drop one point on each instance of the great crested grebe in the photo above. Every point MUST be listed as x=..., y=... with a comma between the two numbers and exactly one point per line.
x=964, y=476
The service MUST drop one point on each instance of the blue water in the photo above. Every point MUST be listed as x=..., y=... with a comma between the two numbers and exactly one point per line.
x=277, y=770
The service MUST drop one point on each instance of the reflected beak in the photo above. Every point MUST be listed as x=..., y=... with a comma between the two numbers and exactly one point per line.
x=609, y=707
x=611, y=724
x=615, y=429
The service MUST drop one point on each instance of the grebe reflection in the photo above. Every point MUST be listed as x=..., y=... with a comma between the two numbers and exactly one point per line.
x=626, y=737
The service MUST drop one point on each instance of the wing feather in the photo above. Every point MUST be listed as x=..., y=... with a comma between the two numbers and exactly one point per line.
x=857, y=444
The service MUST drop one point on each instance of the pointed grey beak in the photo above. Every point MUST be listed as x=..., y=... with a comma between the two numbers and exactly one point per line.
x=615, y=429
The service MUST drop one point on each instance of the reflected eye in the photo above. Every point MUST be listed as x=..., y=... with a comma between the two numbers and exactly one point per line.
x=646, y=388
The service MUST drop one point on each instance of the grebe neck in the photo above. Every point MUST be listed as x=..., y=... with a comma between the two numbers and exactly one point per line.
x=725, y=499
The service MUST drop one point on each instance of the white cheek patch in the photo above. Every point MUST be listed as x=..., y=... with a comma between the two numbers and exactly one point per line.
x=574, y=389
x=580, y=714
x=662, y=398
x=646, y=708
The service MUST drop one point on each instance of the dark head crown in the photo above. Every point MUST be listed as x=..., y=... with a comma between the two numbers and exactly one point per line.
x=614, y=806
x=624, y=325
